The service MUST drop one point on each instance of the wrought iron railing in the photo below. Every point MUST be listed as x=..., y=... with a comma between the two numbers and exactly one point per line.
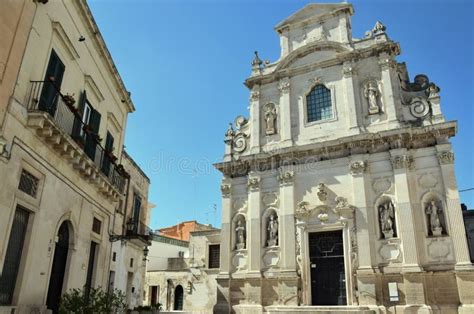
x=45, y=96
x=137, y=228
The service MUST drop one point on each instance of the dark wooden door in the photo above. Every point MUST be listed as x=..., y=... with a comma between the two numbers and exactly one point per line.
x=178, y=298
x=11, y=264
x=58, y=270
x=328, y=285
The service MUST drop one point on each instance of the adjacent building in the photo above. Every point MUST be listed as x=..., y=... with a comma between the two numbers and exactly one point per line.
x=73, y=204
x=182, y=230
x=339, y=192
x=181, y=275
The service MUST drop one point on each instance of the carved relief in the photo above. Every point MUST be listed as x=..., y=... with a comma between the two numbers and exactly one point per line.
x=270, y=115
x=403, y=161
x=240, y=142
x=286, y=177
x=240, y=204
x=427, y=181
x=271, y=258
x=270, y=199
x=446, y=158
x=343, y=208
x=358, y=167
x=439, y=249
x=303, y=210
x=253, y=183
x=390, y=251
x=381, y=185
x=378, y=29
x=372, y=94
x=284, y=85
x=226, y=190
x=434, y=210
x=322, y=193
x=254, y=95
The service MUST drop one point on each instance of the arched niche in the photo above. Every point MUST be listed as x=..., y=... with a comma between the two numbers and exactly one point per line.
x=265, y=221
x=239, y=232
x=433, y=208
x=386, y=213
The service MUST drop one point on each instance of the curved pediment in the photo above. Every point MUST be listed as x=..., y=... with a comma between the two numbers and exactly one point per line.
x=312, y=53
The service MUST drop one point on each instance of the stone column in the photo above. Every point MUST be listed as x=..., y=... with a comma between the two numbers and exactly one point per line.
x=287, y=236
x=364, y=223
x=402, y=163
x=223, y=293
x=453, y=211
x=255, y=119
x=349, y=94
x=386, y=64
x=285, y=111
x=254, y=225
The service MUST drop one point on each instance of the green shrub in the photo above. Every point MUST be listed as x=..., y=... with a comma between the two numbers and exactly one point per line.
x=76, y=301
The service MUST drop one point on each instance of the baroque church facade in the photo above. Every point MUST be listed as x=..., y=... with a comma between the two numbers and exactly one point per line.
x=339, y=190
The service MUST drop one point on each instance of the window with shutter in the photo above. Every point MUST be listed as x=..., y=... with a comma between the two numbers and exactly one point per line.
x=214, y=256
x=52, y=84
x=109, y=147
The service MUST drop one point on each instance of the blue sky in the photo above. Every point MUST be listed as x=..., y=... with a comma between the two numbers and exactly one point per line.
x=185, y=63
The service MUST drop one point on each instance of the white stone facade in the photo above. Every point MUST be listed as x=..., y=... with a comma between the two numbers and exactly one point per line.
x=378, y=166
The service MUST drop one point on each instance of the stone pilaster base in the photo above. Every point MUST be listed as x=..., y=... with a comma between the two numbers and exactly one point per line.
x=223, y=296
x=465, y=285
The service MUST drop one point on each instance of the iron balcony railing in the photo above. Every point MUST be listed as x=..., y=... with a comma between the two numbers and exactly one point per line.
x=66, y=116
x=138, y=229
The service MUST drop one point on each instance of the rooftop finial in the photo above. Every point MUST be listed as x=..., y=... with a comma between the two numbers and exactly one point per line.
x=256, y=63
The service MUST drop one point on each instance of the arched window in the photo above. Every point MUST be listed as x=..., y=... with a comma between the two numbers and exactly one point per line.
x=178, y=298
x=318, y=102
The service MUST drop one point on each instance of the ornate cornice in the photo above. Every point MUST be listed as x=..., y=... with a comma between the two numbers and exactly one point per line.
x=446, y=158
x=358, y=167
x=366, y=143
x=402, y=161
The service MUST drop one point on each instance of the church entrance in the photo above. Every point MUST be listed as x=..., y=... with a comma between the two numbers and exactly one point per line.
x=326, y=253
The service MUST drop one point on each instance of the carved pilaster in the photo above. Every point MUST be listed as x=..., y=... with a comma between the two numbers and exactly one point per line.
x=445, y=158
x=359, y=167
x=402, y=161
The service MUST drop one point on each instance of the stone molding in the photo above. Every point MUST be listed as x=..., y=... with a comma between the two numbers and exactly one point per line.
x=254, y=95
x=347, y=70
x=359, y=167
x=402, y=161
x=368, y=143
x=446, y=158
x=253, y=183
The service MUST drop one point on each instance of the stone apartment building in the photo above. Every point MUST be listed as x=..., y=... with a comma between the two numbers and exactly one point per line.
x=182, y=231
x=181, y=275
x=73, y=204
x=339, y=192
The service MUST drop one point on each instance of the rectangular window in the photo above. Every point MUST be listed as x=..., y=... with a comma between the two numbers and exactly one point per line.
x=114, y=256
x=131, y=262
x=11, y=265
x=28, y=183
x=109, y=147
x=214, y=256
x=90, y=268
x=96, y=225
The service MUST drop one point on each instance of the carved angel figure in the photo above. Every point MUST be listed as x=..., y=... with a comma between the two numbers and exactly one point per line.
x=387, y=219
x=371, y=92
x=272, y=231
x=270, y=117
x=433, y=211
x=240, y=235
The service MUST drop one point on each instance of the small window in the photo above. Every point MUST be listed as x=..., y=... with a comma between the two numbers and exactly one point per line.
x=319, y=105
x=114, y=256
x=214, y=256
x=131, y=262
x=96, y=225
x=28, y=183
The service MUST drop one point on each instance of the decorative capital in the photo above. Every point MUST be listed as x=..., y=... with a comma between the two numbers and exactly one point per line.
x=322, y=193
x=253, y=183
x=303, y=210
x=347, y=69
x=358, y=167
x=286, y=177
x=226, y=189
x=284, y=85
x=402, y=161
x=446, y=158
x=254, y=95
x=386, y=63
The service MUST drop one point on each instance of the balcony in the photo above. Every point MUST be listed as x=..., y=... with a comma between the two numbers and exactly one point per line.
x=59, y=124
x=136, y=230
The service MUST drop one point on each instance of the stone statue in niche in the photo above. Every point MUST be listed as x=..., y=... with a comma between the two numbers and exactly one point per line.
x=272, y=231
x=371, y=92
x=240, y=235
x=270, y=118
x=387, y=219
x=433, y=211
